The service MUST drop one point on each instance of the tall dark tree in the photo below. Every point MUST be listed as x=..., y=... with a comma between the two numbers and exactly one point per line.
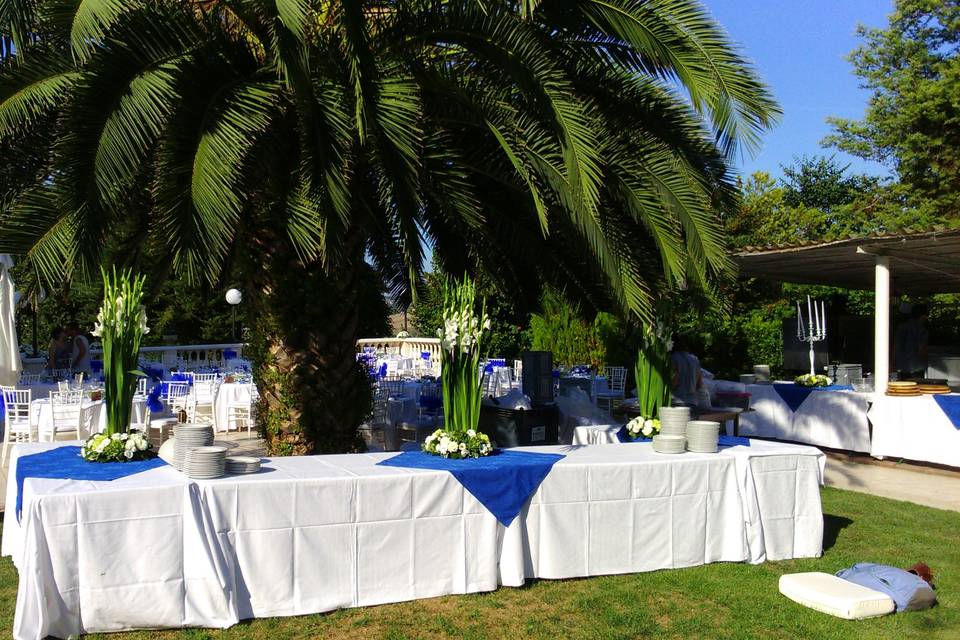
x=912, y=123
x=582, y=143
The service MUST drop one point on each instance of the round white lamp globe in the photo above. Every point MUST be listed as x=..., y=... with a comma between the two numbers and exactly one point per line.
x=234, y=296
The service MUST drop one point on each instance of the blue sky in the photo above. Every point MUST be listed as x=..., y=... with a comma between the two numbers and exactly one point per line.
x=799, y=48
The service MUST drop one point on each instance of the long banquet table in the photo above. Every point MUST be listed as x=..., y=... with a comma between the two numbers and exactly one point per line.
x=314, y=534
x=913, y=429
x=835, y=419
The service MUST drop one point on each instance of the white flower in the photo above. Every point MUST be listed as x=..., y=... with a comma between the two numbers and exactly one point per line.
x=471, y=433
x=647, y=429
x=101, y=445
x=97, y=330
x=486, y=324
x=128, y=454
x=116, y=436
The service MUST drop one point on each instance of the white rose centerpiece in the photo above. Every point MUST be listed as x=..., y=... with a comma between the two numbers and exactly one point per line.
x=117, y=447
x=641, y=427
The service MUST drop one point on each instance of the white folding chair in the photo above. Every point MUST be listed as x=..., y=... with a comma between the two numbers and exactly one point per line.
x=60, y=374
x=18, y=425
x=78, y=379
x=141, y=386
x=205, y=377
x=29, y=378
x=63, y=385
x=66, y=408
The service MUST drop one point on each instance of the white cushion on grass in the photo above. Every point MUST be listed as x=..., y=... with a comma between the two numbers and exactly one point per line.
x=838, y=597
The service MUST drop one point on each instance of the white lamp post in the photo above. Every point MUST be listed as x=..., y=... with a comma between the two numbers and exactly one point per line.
x=233, y=297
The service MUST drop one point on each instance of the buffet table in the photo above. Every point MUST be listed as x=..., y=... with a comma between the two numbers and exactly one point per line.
x=317, y=533
x=826, y=418
x=913, y=429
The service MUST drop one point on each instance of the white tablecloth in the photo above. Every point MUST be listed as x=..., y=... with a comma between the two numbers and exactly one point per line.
x=317, y=533
x=835, y=419
x=913, y=429
x=93, y=418
x=227, y=393
x=597, y=434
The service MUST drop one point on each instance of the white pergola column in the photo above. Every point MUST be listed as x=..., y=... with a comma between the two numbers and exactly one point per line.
x=881, y=329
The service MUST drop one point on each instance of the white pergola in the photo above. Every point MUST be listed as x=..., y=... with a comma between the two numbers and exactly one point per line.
x=917, y=263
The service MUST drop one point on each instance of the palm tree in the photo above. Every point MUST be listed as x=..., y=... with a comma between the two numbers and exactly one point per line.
x=582, y=144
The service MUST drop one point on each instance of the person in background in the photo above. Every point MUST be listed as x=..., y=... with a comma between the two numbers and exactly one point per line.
x=686, y=378
x=80, y=354
x=58, y=353
x=911, y=345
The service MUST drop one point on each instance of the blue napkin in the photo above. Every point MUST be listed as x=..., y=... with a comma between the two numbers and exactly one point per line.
x=65, y=463
x=503, y=482
x=734, y=441
x=950, y=405
x=623, y=437
x=795, y=394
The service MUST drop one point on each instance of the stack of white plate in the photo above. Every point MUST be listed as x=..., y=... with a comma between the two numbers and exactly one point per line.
x=205, y=462
x=673, y=420
x=242, y=464
x=185, y=437
x=669, y=444
x=703, y=436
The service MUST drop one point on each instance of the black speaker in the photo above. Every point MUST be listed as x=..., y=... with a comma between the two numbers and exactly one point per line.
x=537, y=377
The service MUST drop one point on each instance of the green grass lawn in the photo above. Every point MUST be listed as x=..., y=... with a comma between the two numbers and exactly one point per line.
x=714, y=601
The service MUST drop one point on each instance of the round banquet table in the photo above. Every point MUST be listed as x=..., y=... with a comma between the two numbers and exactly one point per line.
x=93, y=417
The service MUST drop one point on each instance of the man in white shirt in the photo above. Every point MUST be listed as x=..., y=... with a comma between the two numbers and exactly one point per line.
x=80, y=355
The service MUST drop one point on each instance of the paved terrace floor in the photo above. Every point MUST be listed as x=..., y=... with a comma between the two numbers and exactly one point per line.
x=912, y=483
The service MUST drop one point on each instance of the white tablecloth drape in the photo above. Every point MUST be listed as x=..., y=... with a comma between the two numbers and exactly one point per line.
x=229, y=393
x=318, y=533
x=913, y=429
x=835, y=419
x=93, y=416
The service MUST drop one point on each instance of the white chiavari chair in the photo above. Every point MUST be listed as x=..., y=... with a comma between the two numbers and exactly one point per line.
x=178, y=394
x=66, y=409
x=203, y=401
x=240, y=412
x=18, y=424
x=30, y=378
x=616, y=381
x=60, y=374
x=141, y=386
x=78, y=379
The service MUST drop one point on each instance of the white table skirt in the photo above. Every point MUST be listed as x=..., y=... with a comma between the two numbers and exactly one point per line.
x=157, y=550
x=835, y=419
x=913, y=429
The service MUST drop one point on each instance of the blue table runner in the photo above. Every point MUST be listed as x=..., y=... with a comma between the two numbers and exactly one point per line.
x=950, y=405
x=795, y=394
x=65, y=463
x=502, y=482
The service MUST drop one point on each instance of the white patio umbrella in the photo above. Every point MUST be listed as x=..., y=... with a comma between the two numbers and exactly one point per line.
x=9, y=346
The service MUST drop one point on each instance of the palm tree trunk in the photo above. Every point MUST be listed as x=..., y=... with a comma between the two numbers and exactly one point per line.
x=313, y=394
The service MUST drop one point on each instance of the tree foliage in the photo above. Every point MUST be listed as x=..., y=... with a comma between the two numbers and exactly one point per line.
x=912, y=123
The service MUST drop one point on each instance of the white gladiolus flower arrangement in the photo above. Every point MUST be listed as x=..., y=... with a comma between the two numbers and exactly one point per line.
x=462, y=336
x=121, y=325
x=117, y=447
x=641, y=427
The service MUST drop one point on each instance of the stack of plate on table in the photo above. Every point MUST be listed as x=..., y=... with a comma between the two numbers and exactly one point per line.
x=242, y=464
x=933, y=386
x=673, y=421
x=669, y=444
x=903, y=388
x=703, y=436
x=205, y=462
x=185, y=437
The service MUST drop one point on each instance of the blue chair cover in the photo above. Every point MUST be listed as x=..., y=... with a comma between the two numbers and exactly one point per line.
x=229, y=354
